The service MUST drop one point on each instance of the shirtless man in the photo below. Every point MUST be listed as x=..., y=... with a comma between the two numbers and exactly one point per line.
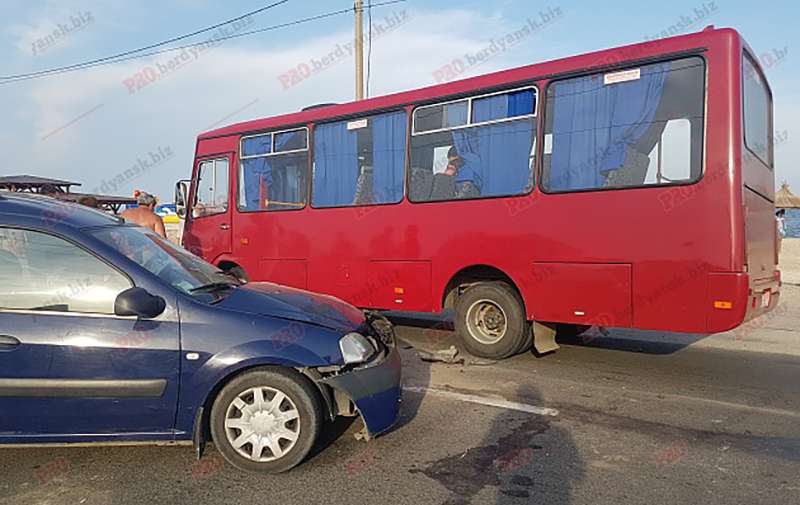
x=143, y=215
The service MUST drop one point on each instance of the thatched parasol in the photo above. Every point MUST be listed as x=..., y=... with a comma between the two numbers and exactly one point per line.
x=784, y=199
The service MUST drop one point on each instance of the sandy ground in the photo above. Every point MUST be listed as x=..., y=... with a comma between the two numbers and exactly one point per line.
x=174, y=232
x=790, y=260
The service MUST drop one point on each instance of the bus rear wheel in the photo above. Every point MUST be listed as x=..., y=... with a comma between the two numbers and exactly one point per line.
x=490, y=319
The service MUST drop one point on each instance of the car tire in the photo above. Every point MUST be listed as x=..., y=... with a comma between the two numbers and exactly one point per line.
x=246, y=430
x=490, y=318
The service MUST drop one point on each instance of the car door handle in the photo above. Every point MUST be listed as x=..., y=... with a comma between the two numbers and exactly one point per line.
x=8, y=342
x=224, y=226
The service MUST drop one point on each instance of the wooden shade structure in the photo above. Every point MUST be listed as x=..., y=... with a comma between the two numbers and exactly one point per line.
x=34, y=184
x=61, y=190
x=784, y=199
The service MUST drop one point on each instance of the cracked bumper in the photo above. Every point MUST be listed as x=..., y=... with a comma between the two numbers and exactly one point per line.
x=375, y=389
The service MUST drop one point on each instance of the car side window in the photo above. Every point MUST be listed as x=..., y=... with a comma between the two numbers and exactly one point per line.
x=212, y=188
x=41, y=272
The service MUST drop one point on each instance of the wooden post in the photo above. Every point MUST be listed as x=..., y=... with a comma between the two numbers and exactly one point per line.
x=359, y=7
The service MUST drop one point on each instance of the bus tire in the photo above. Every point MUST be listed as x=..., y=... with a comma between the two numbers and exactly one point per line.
x=490, y=319
x=239, y=273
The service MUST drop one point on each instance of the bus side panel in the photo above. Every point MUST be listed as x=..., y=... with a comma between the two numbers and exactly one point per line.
x=670, y=295
x=760, y=235
x=400, y=285
x=293, y=273
x=583, y=293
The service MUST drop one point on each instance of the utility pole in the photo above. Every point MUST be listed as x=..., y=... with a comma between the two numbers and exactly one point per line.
x=359, y=7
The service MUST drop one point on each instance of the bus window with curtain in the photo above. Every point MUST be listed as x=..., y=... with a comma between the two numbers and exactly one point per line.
x=628, y=128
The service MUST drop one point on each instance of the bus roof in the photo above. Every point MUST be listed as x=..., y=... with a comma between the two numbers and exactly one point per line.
x=606, y=58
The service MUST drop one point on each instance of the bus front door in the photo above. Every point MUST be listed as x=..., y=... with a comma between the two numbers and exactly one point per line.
x=208, y=225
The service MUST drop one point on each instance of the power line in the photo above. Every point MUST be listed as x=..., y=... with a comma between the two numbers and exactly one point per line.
x=77, y=66
x=178, y=48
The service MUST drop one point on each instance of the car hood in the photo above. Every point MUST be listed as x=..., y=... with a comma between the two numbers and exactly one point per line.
x=268, y=299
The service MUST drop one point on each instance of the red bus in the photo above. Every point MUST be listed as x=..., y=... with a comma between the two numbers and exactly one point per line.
x=630, y=187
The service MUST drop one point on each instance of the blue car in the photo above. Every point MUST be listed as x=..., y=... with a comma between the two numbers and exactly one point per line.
x=109, y=333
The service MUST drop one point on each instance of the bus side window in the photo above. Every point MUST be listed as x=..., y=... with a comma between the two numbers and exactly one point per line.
x=629, y=128
x=757, y=113
x=359, y=162
x=272, y=174
x=477, y=147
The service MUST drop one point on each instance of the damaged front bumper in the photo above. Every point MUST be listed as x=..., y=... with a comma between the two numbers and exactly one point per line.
x=374, y=387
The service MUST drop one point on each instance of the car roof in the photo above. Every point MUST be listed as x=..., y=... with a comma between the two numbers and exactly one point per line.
x=50, y=211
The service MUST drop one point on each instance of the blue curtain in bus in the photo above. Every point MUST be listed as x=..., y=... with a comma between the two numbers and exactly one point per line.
x=388, y=157
x=455, y=114
x=256, y=172
x=467, y=147
x=594, y=124
x=507, y=147
x=257, y=145
x=496, y=157
x=263, y=175
x=335, y=165
x=519, y=103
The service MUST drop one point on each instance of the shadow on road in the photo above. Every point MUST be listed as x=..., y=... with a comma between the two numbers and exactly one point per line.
x=432, y=332
x=528, y=458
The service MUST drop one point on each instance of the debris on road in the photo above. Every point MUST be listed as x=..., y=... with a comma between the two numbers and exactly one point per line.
x=449, y=355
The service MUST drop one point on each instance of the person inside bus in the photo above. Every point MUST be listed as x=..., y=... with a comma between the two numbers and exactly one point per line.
x=465, y=188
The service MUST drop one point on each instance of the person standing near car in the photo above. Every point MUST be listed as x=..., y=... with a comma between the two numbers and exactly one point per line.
x=143, y=215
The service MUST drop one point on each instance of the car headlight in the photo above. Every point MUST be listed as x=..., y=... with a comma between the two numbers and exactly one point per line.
x=355, y=348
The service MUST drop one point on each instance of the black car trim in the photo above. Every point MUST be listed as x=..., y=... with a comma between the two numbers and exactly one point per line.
x=79, y=388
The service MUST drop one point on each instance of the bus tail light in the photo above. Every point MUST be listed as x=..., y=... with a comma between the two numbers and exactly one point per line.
x=722, y=304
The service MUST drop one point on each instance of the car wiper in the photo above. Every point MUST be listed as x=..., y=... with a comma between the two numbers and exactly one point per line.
x=213, y=286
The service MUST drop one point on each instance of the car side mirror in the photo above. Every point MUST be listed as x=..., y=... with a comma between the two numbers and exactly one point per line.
x=181, y=197
x=138, y=302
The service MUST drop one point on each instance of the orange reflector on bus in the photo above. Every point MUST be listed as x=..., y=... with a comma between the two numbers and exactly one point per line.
x=399, y=291
x=723, y=305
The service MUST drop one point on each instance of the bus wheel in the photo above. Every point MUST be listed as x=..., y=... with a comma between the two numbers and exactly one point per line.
x=239, y=273
x=491, y=321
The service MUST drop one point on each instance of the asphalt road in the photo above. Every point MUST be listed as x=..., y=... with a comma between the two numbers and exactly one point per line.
x=618, y=419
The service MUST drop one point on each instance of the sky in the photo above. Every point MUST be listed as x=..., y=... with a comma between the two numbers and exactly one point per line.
x=133, y=125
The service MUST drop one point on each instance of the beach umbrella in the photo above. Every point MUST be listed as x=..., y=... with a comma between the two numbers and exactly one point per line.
x=784, y=199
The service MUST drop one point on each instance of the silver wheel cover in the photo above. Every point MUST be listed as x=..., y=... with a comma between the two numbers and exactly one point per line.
x=262, y=424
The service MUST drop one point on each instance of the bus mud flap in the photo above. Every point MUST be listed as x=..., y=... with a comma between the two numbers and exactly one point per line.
x=544, y=338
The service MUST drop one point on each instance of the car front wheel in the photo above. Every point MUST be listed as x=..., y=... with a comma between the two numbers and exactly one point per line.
x=266, y=420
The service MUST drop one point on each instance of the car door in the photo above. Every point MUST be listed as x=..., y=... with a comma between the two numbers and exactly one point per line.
x=70, y=368
x=208, y=227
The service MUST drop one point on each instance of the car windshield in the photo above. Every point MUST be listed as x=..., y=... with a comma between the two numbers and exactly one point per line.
x=172, y=264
